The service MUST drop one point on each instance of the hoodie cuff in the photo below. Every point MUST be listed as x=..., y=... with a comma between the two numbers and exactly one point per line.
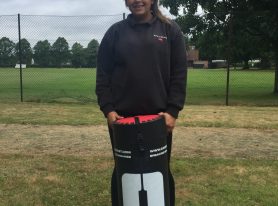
x=108, y=108
x=173, y=111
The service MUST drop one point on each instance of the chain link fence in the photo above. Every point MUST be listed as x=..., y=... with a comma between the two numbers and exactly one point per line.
x=60, y=55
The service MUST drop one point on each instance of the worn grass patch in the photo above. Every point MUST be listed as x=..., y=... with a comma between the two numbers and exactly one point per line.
x=84, y=141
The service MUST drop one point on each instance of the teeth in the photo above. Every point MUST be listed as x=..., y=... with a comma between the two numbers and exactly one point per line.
x=138, y=5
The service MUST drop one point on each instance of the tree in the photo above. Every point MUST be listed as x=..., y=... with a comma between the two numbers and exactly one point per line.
x=211, y=44
x=91, y=53
x=77, y=55
x=26, y=52
x=207, y=40
x=42, y=53
x=258, y=19
x=265, y=25
x=212, y=31
x=60, y=52
x=7, y=52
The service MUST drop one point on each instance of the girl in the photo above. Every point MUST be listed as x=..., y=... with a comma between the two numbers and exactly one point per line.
x=142, y=70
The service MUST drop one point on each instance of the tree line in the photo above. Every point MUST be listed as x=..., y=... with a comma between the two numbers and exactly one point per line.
x=43, y=54
x=235, y=30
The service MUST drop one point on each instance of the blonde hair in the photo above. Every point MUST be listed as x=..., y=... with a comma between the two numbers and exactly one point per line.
x=156, y=12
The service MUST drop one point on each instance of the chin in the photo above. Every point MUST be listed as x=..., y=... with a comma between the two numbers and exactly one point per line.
x=139, y=14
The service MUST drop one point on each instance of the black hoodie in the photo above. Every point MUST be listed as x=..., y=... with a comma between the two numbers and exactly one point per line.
x=141, y=68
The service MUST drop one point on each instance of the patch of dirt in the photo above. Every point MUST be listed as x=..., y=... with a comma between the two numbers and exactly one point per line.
x=60, y=140
x=52, y=178
x=226, y=142
x=94, y=141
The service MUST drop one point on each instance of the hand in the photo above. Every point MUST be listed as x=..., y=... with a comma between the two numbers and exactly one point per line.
x=112, y=117
x=169, y=120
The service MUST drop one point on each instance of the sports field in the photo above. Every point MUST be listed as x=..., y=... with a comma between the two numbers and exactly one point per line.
x=205, y=86
x=55, y=150
x=59, y=154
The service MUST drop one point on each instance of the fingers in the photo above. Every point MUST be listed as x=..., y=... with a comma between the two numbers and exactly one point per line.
x=170, y=121
x=112, y=117
x=118, y=117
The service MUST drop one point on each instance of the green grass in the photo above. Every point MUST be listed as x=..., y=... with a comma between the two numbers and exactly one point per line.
x=254, y=87
x=28, y=178
x=89, y=114
x=226, y=182
x=49, y=85
x=205, y=86
x=54, y=180
x=51, y=114
x=62, y=180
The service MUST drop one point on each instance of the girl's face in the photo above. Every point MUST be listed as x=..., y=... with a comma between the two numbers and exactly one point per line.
x=141, y=9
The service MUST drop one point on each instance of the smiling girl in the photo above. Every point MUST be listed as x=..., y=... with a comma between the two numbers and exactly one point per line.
x=142, y=70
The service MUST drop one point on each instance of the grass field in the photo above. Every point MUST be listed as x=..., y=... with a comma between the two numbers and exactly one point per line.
x=54, y=148
x=78, y=85
x=89, y=114
x=49, y=85
x=59, y=154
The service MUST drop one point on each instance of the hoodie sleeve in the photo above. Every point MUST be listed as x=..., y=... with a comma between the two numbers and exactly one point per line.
x=105, y=66
x=178, y=75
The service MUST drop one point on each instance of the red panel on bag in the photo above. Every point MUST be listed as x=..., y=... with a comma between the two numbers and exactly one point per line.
x=141, y=118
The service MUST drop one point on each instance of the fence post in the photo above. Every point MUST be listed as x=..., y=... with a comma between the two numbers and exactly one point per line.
x=123, y=16
x=20, y=58
x=228, y=83
x=276, y=73
x=230, y=30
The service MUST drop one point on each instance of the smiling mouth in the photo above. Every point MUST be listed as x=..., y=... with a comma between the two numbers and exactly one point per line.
x=137, y=6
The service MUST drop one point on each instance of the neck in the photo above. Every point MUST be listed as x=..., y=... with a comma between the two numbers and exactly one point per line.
x=143, y=19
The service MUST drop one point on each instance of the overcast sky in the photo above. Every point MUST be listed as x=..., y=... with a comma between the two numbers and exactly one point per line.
x=74, y=29
x=63, y=7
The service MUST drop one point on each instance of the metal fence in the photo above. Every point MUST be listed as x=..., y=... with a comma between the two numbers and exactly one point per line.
x=66, y=82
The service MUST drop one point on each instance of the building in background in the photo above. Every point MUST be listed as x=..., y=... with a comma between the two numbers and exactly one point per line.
x=193, y=58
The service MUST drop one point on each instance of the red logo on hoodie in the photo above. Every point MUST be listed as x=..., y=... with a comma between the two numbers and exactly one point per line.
x=160, y=38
